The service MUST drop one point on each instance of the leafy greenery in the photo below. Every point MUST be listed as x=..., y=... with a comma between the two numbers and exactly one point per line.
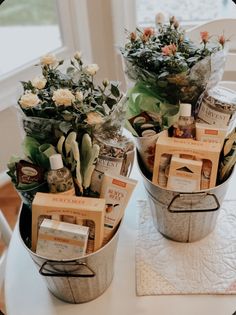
x=164, y=57
x=86, y=96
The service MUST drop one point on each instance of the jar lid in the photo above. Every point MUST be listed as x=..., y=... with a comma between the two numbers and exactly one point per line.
x=223, y=95
x=120, y=141
x=56, y=161
x=185, y=109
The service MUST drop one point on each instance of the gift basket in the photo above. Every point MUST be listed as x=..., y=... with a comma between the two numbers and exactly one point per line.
x=183, y=124
x=73, y=177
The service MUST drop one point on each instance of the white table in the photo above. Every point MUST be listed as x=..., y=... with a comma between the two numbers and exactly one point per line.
x=27, y=294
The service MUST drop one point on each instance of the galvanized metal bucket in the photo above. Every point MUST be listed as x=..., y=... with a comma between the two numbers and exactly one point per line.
x=74, y=281
x=183, y=217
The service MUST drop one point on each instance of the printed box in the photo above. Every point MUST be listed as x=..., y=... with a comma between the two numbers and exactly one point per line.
x=82, y=208
x=61, y=240
x=199, y=150
x=184, y=175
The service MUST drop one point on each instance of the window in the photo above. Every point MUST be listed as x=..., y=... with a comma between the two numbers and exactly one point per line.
x=187, y=12
x=30, y=29
x=23, y=25
x=40, y=26
x=191, y=14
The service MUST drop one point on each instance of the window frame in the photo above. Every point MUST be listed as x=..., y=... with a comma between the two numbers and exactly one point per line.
x=72, y=14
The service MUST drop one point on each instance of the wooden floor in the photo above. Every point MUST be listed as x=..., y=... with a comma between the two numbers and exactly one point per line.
x=10, y=205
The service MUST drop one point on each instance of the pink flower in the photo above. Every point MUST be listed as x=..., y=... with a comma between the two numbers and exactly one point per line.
x=204, y=37
x=173, y=48
x=166, y=50
x=169, y=50
x=172, y=20
x=148, y=31
x=132, y=36
x=176, y=24
x=222, y=40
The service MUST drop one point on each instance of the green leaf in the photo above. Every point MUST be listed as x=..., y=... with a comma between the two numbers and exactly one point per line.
x=70, y=70
x=164, y=74
x=162, y=84
x=110, y=102
x=99, y=100
x=30, y=148
x=192, y=59
x=115, y=91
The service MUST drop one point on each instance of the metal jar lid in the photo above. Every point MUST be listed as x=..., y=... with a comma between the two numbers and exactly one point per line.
x=220, y=96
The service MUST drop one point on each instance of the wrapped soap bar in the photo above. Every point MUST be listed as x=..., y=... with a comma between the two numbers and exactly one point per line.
x=210, y=133
x=145, y=125
x=61, y=240
x=184, y=175
x=28, y=174
x=82, y=208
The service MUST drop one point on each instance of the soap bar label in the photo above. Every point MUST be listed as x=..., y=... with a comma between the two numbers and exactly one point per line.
x=183, y=184
x=105, y=165
x=213, y=117
x=115, y=199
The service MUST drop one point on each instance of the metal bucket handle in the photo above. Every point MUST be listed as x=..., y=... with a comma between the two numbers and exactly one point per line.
x=56, y=273
x=193, y=210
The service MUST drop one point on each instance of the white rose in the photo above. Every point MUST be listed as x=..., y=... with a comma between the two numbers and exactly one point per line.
x=29, y=100
x=39, y=82
x=77, y=55
x=91, y=69
x=79, y=96
x=94, y=118
x=63, y=97
x=160, y=18
x=49, y=59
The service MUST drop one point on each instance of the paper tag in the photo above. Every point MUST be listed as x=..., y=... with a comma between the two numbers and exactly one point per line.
x=213, y=117
x=105, y=164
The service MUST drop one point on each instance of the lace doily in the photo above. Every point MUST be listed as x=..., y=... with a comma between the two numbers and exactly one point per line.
x=204, y=267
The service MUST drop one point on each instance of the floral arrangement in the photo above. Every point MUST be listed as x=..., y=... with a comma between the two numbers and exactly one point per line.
x=72, y=99
x=168, y=63
x=66, y=113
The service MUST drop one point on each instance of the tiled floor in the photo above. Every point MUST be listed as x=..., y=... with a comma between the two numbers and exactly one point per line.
x=10, y=205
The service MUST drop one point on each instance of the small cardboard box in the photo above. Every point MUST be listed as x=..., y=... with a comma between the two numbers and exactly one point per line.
x=210, y=133
x=187, y=147
x=61, y=240
x=184, y=175
x=83, y=208
x=117, y=191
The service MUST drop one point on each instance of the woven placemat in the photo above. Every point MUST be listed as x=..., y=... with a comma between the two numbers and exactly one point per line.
x=204, y=267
